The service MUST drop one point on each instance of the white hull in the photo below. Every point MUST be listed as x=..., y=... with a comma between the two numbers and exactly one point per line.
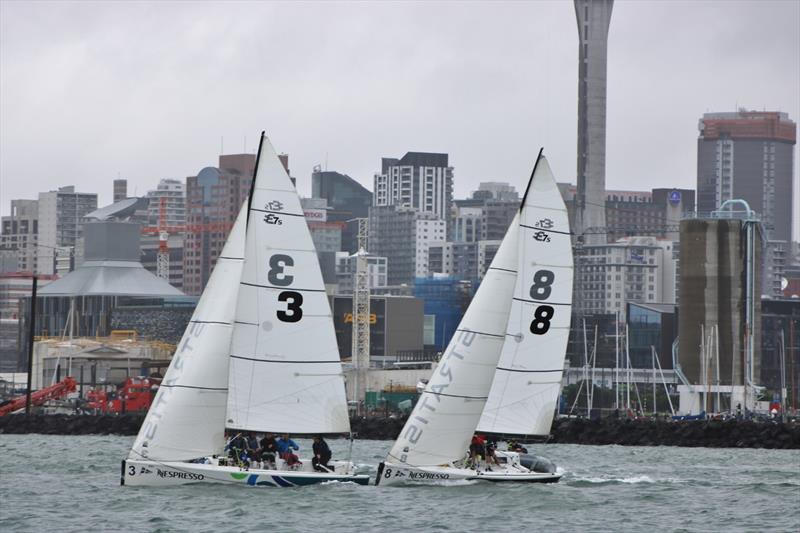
x=509, y=469
x=153, y=473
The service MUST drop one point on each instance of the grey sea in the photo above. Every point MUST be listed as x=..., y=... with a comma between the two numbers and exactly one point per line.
x=68, y=483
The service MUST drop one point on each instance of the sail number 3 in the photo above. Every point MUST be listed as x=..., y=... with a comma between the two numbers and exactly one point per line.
x=540, y=290
x=278, y=278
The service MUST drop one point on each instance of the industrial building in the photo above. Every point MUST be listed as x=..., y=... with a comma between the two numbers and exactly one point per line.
x=719, y=347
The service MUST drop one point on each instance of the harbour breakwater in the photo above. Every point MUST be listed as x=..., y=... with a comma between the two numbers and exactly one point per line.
x=646, y=432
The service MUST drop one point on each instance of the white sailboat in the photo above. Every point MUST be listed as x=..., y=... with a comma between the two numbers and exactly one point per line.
x=433, y=444
x=259, y=354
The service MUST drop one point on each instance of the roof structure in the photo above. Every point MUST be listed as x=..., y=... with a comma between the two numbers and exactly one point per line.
x=110, y=278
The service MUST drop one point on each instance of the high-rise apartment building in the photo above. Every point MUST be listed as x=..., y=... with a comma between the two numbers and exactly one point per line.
x=403, y=235
x=346, y=270
x=213, y=200
x=20, y=233
x=173, y=193
x=120, y=190
x=748, y=155
x=594, y=17
x=420, y=180
x=61, y=215
x=346, y=200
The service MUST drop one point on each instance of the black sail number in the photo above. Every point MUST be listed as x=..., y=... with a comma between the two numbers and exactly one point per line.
x=294, y=311
x=276, y=275
x=541, y=319
x=540, y=290
x=542, y=284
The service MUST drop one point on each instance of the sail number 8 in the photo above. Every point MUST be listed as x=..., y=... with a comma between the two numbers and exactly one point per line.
x=540, y=290
x=278, y=278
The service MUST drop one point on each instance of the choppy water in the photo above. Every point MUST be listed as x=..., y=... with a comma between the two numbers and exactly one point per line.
x=72, y=484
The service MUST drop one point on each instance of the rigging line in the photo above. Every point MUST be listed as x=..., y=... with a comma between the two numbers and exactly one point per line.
x=231, y=258
x=210, y=322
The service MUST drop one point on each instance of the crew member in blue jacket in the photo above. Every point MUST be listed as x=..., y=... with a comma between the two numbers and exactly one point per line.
x=285, y=446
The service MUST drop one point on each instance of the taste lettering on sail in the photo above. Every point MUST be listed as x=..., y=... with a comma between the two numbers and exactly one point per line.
x=150, y=426
x=437, y=386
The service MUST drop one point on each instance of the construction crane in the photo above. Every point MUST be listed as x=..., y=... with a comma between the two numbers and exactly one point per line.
x=163, y=230
x=361, y=314
x=53, y=392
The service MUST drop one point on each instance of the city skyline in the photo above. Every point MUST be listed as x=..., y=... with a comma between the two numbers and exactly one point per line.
x=143, y=109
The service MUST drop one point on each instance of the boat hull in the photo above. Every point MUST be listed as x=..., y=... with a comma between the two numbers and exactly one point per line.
x=151, y=473
x=395, y=474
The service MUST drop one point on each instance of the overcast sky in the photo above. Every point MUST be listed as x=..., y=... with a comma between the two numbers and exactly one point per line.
x=94, y=90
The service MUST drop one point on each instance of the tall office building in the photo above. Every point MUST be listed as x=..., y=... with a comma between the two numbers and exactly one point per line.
x=213, y=200
x=20, y=233
x=420, y=180
x=593, y=18
x=120, y=190
x=61, y=215
x=748, y=155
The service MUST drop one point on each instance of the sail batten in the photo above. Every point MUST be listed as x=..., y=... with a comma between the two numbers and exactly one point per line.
x=527, y=382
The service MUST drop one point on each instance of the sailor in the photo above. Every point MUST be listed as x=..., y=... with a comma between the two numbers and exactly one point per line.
x=269, y=449
x=491, y=446
x=253, y=449
x=285, y=446
x=237, y=449
x=322, y=454
x=477, y=448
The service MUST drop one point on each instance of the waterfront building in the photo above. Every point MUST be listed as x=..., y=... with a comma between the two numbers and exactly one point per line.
x=593, y=17
x=20, y=233
x=466, y=261
x=61, y=214
x=420, y=180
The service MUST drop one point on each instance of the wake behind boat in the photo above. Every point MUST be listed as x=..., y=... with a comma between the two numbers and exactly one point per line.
x=521, y=297
x=259, y=356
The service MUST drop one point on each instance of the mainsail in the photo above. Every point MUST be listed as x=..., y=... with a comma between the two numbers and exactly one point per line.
x=440, y=426
x=285, y=371
x=528, y=377
x=187, y=417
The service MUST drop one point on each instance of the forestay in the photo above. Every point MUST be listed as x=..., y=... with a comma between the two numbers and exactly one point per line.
x=441, y=424
x=285, y=371
x=187, y=417
x=528, y=377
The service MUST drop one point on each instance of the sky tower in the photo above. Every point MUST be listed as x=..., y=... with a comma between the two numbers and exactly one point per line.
x=593, y=18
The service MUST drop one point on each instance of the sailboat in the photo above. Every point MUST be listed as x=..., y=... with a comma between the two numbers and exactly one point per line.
x=520, y=300
x=258, y=355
